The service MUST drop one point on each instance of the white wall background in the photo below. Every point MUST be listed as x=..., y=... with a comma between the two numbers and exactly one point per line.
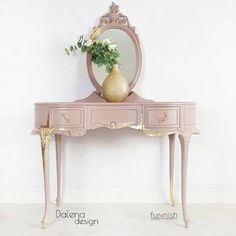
x=189, y=51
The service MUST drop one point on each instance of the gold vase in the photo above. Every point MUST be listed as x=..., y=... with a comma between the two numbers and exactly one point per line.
x=115, y=87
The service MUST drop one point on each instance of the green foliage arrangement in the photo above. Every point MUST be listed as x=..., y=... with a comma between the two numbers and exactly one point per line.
x=104, y=52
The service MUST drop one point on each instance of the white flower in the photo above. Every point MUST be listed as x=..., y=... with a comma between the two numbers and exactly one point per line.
x=88, y=43
x=112, y=47
x=108, y=41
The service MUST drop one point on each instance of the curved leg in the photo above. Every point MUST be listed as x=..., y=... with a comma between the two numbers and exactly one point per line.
x=184, y=141
x=45, y=135
x=58, y=156
x=171, y=166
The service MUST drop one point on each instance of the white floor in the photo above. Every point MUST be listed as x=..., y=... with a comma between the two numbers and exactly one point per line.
x=118, y=219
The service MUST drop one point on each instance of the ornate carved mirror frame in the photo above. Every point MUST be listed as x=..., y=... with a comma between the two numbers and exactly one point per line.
x=116, y=20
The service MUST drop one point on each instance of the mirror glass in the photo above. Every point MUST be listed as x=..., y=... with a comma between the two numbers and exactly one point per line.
x=128, y=57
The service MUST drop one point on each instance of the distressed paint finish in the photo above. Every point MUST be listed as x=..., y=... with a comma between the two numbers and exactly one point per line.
x=45, y=136
x=154, y=118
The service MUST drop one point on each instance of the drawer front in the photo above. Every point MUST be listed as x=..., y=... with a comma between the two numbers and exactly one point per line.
x=190, y=116
x=67, y=117
x=158, y=117
x=114, y=117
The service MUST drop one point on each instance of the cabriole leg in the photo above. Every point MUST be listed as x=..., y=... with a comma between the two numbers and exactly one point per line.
x=184, y=141
x=58, y=157
x=171, y=167
x=45, y=135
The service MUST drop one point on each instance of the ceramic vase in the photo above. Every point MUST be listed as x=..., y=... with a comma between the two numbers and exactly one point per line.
x=115, y=87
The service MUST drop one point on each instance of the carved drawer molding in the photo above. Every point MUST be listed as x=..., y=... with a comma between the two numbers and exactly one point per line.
x=67, y=117
x=158, y=117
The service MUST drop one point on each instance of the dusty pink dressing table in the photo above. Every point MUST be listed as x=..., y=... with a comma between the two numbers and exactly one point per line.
x=153, y=118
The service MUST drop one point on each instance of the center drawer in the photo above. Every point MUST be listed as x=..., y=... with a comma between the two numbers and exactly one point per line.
x=113, y=116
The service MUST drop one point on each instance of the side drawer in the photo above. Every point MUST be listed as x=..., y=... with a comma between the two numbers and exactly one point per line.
x=113, y=116
x=67, y=117
x=161, y=117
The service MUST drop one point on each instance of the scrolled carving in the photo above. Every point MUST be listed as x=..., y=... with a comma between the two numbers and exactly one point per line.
x=66, y=117
x=163, y=117
x=115, y=16
x=113, y=22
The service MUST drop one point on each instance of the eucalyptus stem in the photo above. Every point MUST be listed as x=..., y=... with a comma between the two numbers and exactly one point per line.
x=104, y=52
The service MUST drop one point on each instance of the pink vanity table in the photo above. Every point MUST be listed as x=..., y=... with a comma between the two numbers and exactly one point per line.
x=82, y=116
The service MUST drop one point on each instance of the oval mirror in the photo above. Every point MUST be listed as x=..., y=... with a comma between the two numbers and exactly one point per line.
x=115, y=26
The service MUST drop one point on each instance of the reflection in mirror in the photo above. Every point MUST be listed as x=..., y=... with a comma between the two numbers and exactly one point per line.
x=127, y=51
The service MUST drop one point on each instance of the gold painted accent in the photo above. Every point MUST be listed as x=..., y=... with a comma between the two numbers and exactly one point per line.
x=49, y=121
x=61, y=129
x=45, y=136
x=96, y=32
x=147, y=132
x=140, y=125
x=152, y=133
x=118, y=125
x=172, y=197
